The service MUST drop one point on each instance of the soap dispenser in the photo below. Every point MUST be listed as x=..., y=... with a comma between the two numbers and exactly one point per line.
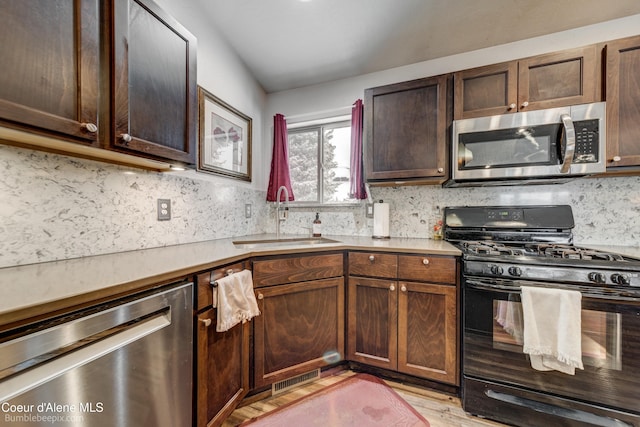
x=317, y=225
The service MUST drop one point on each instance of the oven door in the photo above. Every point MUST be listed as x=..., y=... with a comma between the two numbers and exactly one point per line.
x=492, y=354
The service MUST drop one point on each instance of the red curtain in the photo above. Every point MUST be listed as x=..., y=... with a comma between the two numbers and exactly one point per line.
x=279, y=161
x=358, y=190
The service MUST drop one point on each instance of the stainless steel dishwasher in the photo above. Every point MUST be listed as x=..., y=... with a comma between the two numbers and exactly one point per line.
x=123, y=363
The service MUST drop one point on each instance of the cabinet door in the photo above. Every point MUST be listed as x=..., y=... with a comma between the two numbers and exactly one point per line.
x=300, y=328
x=154, y=83
x=623, y=104
x=427, y=331
x=222, y=369
x=558, y=79
x=486, y=91
x=49, y=79
x=406, y=130
x=373, y=322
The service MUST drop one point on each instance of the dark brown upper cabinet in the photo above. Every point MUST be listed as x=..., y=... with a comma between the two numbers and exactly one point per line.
x=49, y=79
x=623, y=105
x=154, y=105
x=552, y=80
x=406, y=131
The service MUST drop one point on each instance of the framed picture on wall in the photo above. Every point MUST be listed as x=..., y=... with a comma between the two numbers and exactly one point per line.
x=225, y=138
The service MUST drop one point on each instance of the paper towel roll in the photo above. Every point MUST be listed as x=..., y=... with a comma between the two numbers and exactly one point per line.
x=381, y=220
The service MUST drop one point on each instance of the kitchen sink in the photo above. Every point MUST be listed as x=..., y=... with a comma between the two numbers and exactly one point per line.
x=295, y=241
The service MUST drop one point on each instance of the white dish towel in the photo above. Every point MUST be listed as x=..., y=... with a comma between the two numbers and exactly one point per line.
x=234, y=300
x=552, y=328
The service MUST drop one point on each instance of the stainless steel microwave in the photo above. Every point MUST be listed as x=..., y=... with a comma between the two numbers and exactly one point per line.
x=543, y=146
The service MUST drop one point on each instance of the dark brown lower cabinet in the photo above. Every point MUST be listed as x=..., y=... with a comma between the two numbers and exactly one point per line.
x=427, y=331
x=223, y=369
x=404, y=326
x=301, y=328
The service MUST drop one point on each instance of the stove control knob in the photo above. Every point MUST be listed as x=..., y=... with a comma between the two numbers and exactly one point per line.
x=515, y=271
x=496, y=269
x=597, y=277
x=620, y=279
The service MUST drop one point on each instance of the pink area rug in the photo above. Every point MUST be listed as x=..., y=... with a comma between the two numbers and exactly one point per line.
x=361, y=400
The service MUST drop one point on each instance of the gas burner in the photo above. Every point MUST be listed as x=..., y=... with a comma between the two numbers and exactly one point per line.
x=572, y=252
x=491, y=248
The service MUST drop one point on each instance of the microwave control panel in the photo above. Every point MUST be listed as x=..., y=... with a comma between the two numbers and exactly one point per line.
x=587, y=140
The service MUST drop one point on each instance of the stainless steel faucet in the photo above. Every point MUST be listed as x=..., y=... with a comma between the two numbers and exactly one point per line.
x=285, y=211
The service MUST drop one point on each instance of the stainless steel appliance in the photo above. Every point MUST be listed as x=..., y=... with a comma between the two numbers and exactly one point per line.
x=505, y=248
x=544, y=146
x=123, y=363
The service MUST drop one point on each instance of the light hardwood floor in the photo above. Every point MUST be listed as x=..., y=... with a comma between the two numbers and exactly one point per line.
x=440, y=409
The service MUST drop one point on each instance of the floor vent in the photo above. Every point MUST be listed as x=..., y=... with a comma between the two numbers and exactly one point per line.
x=289, y=383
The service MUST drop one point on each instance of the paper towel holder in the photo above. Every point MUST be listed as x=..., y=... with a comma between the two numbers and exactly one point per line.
x=381, y=221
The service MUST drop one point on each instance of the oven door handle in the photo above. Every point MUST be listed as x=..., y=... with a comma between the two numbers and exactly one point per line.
x=491, y=286
x=568, y=143
x=587, y=291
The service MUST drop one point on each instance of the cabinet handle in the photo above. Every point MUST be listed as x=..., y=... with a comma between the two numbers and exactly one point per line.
x=126, y=137
x=403, y=288
x=392, y=288
x=206, y=322
x=616, y=158
x=260, y=296
x=511, y=106
x=90, y=127
x=524, y=104
x=440, y=170
x=425, y=261
x=372, y=258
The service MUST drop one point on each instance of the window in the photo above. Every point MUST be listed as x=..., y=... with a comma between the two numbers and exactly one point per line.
x=319, y=160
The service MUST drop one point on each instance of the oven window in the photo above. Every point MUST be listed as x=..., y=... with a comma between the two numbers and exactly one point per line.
x=508, y=147
x=601, y=341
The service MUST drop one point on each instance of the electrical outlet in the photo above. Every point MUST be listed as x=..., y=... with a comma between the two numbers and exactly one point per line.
x=164, y=209
x=247, y=210
x=369, y=213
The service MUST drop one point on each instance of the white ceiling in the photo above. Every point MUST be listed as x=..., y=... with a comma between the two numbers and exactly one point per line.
x=292, y=43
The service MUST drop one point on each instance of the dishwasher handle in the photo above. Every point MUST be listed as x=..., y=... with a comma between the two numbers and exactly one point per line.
x=31, y=378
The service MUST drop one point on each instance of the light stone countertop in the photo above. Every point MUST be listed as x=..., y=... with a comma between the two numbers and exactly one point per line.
x=36, y=290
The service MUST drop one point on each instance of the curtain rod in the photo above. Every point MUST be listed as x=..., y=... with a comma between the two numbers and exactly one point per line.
x=320, y=114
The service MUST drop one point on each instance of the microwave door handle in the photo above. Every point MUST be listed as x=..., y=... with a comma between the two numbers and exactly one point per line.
x=568, y=142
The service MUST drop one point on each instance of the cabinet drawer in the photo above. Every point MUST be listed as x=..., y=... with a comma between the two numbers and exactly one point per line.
x=205, y=290
x=373, y=264
x=427, y=268
x=296, y=269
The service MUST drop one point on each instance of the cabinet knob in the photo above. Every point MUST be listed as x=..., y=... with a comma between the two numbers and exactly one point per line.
x=392, y=288
x=511, y=106
x=260, y=296
x=440, y=170
x=90, y=127
x=372, y=258
x=616, y=158
x=425, y=261
x=206, y=322
x=524, y=104
x=126, y=137
x=403, y=288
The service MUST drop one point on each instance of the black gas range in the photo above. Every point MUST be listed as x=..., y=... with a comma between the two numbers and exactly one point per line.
x=536, y=243
x=505, y=248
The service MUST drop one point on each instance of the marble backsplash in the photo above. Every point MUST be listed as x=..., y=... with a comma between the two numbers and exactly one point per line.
x=56, y=207
x=606, y=210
